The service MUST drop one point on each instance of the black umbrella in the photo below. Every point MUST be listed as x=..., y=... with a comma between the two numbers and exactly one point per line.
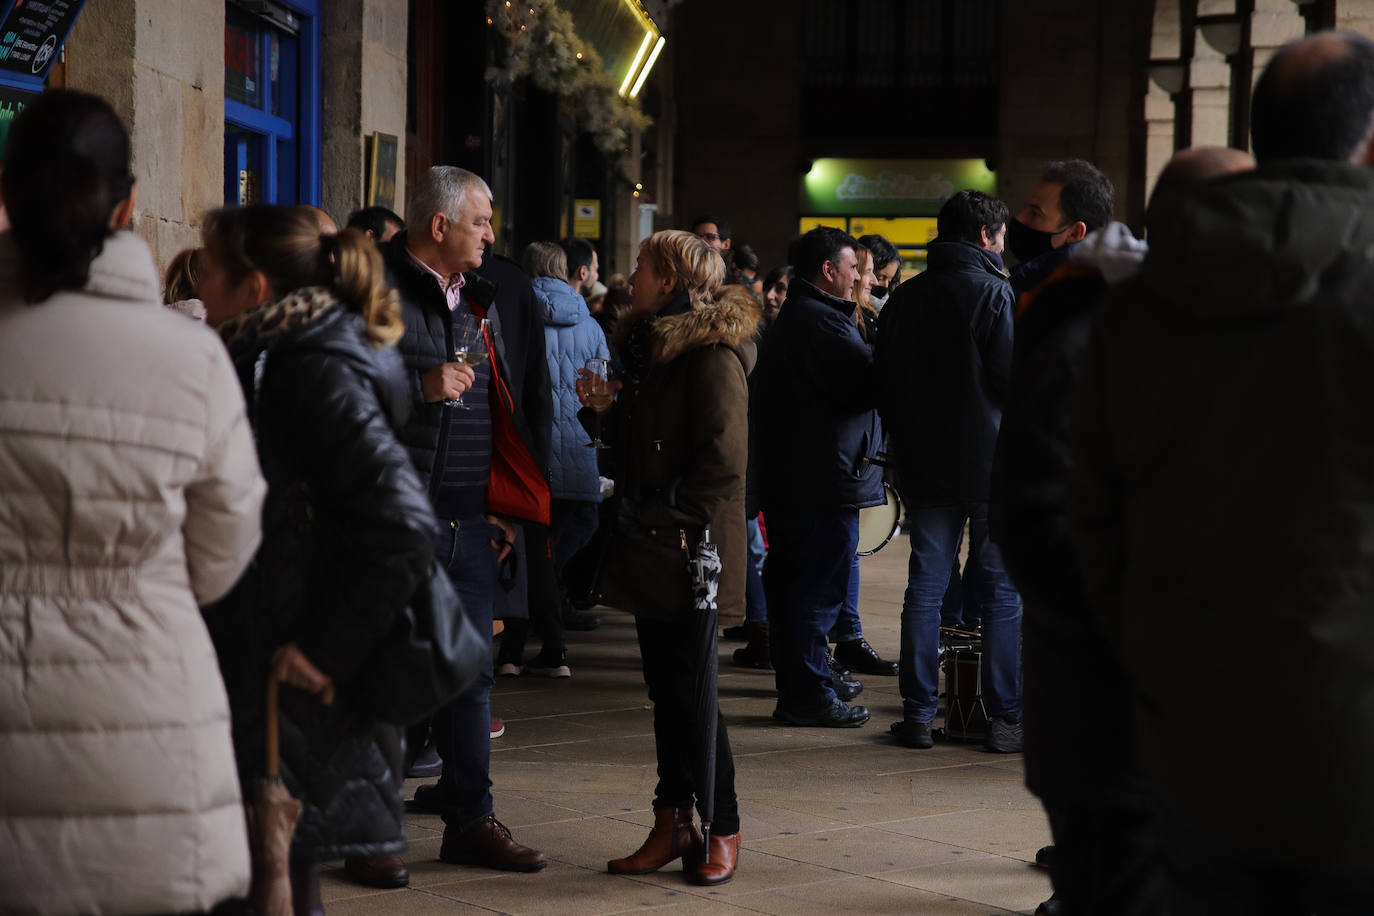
x=705, y=568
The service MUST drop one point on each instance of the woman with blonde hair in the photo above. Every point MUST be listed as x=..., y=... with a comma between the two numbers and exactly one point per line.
x=681, y=431
x=347, y=533
x=179, y=283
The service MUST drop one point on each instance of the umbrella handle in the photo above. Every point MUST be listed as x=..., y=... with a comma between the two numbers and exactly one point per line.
x=273, y=751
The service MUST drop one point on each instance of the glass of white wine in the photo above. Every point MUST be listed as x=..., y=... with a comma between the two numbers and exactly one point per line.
x=600, y=395
x=469, y=347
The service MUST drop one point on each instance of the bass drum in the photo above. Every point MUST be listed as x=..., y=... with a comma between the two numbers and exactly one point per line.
x=879, y=524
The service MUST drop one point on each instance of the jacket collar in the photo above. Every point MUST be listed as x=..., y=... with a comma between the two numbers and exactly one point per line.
x=123, y=270
x=947, y=254
x=271, y=321
x=811, y=291
x=729, y=319
x=420, y=283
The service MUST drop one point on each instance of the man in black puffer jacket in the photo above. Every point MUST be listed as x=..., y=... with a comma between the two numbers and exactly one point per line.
x=1223, y=502
x=943, y=357
x=483, y=460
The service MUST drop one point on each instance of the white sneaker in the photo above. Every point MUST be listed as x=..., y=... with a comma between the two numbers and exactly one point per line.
x=549, y=664
x=506, y=669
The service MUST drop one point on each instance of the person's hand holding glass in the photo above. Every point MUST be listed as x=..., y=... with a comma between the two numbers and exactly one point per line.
x=596, y=390
x=469, y=347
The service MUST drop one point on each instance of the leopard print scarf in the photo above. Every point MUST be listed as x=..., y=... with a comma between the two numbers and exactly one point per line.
x=261, y=325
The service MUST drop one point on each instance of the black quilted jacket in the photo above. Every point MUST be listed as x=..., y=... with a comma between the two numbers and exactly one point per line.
x=347, y=531
x=518, y=324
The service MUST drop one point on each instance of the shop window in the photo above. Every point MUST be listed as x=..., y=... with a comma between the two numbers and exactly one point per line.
x=272, y=101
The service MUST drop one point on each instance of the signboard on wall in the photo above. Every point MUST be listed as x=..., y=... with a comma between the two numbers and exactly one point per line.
x=888, y=187
x=587, y=218
x=12, y=101
x=33, y=31
x=381, y=175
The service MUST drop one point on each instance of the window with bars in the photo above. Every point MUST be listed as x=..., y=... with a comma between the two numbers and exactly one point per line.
x=935, y=60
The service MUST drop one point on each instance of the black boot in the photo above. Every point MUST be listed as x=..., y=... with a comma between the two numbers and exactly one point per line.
x=857, y=655
x=755, y=655
x=847, y=687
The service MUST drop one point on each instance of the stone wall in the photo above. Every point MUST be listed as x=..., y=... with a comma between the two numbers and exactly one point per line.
x=364, y=91
x=1073, y=91
x=161, y=64
x=736, y=70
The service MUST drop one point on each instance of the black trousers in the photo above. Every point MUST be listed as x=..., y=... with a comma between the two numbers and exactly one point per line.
x=669, y=650
x=1081, y=761
x=545, y=599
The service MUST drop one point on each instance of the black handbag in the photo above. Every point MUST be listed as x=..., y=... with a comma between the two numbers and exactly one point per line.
x=432, y=654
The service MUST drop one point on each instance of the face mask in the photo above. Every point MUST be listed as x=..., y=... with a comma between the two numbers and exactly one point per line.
x=878, y=297
x=1027, y=243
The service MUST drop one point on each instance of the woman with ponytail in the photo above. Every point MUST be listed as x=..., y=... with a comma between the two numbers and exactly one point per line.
x=347, y=528
x=130, y=494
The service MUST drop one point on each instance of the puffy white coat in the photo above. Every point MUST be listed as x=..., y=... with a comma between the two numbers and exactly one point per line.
x=129, y=492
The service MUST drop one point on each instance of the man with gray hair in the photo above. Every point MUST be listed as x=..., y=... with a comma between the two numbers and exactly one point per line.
x=483, y=461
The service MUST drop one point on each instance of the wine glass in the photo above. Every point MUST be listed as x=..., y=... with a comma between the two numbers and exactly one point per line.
x=600, y=395
x=469, y=347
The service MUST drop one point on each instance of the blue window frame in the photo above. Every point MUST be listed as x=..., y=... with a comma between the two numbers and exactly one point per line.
x=272, y=135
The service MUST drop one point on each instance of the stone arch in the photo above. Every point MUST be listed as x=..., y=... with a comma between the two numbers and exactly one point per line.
x=1205, y=56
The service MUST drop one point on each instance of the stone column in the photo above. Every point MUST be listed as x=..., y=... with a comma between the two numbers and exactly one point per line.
x=160, y=63
x=1356, y=15
x=1209, y=77
x=1277, y=22
x=364, y=60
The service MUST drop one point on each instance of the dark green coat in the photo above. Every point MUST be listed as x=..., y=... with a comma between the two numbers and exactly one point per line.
x=1224, y=508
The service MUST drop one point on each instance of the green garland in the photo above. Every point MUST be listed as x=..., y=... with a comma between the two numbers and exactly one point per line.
x=541, y=44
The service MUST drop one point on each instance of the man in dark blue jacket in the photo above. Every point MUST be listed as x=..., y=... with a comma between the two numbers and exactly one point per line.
x=943, y=357
x=814, y=421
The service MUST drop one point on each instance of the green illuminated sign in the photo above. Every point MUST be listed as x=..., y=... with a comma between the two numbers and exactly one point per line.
x=889, y=187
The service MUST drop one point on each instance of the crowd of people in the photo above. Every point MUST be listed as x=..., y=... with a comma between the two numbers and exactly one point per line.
x=279, y=531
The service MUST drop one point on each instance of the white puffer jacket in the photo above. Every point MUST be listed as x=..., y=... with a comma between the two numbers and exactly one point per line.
x=129, y=491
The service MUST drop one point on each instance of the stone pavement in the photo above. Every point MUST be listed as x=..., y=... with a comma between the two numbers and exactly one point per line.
x=834, y=820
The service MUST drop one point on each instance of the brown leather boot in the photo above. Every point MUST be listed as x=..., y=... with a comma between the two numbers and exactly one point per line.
x=675, y=834
x=721, y=867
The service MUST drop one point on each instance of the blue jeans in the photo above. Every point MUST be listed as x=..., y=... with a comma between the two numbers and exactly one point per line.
x=462, y=729
x=935, y=532
x=847, y=625
x=806, y=577
x=755, y=601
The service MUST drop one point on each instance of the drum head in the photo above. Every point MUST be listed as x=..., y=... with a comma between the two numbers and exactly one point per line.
x=879, y=524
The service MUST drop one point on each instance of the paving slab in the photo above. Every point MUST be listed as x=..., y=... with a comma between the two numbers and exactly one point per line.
x=833, y=820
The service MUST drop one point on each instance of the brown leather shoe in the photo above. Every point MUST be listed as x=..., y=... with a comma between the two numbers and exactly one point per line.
x=489, y=844
x=674, y=835
x=721, y=865
x=382, y=871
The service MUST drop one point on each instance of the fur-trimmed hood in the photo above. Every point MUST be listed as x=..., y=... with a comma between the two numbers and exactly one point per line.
x=731, y=319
